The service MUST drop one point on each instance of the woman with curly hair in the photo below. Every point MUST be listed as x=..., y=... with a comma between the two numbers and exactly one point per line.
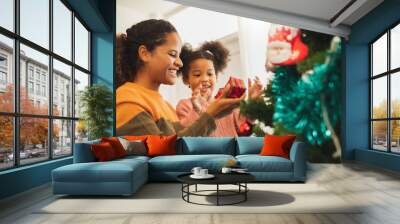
x=147, y=57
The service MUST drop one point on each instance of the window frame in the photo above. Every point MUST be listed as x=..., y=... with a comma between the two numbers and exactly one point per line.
x=16, y=115
x=388, y=74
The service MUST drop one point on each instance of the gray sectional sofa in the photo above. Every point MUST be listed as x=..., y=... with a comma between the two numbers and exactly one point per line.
x=125, y=176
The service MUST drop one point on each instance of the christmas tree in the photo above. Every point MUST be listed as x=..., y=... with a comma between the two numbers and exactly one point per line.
x=303, y=97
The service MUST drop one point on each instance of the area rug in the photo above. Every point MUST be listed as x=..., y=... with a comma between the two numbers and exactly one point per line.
x=167, y=198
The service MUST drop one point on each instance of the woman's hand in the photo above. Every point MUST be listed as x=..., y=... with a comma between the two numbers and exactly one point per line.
x=222, y=106
x=256, y=89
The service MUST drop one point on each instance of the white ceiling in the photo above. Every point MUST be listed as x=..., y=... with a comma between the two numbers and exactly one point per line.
x=316, y=15
x=307, y=14
x=320, y=9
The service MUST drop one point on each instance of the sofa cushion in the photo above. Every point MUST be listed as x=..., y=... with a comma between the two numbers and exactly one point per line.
x=131, y=158
x=275, y=145
x=185, y=163
x=134, y=147
x=161, y=145
x=257, y=163
x=83, y=152
x=112, y=171
x=249, y=145
x=103, y=152
x=206, y=145
x=116, y=145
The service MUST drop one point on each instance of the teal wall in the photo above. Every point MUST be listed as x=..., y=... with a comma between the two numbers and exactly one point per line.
x=103, y=52
x=99, y=15
x=24, y=178
x=356, y=117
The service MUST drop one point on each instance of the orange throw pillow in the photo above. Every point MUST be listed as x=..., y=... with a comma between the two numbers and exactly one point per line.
x=103, y=152
x=116, y=145
x=277, y=145
x=161, y=145
x=134, y=138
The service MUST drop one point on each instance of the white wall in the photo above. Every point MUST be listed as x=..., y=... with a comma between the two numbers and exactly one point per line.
x=246, y=39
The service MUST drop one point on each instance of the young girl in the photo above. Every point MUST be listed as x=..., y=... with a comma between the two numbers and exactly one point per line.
x=200, y=72
x=148, y=56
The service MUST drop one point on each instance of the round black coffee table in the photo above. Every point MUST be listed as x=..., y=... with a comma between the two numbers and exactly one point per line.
x=238, y=179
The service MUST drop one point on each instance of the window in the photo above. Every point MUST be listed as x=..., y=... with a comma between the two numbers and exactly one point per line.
x=30, y=72
x=34, y=22
x=38, y=89
x=3, y=78
x=37, y=74
x=7, y=14
x=30, y=87
x=6, y=89
x=62, y=30
x=385, y=95
x=3, y=71
x=43, y=90
x=81, y=45
x=39, y=80
x=3, y=61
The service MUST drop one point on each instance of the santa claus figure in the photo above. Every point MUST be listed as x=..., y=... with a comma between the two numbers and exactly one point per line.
x=285, y=46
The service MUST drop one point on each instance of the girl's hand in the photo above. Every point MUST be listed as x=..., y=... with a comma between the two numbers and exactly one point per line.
x=199, y=102
x=223, y=106
x=256, y=89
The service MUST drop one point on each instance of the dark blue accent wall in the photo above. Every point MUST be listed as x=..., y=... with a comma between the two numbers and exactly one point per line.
x=99, y=15
x=356, y=119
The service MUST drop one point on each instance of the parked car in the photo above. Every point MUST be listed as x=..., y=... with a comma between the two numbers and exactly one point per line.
x=22, y=155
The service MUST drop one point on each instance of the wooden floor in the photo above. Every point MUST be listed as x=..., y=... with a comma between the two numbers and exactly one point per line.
x=377, y=188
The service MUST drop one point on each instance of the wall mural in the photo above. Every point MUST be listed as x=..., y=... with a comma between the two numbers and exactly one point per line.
x=297, y=93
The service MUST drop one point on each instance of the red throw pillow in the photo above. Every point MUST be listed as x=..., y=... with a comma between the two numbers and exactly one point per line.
x=277, y=145
x=161, y=145
x=116, y=145
x=103, y=152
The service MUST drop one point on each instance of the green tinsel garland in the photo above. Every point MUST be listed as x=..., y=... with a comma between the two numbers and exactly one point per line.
x=301, y=98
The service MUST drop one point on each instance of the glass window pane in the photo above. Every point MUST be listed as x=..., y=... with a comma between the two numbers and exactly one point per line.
x=379, y=97
x=395, y=47
x=379, y=135
x=34, y=66
x=395, y=136
x=62, y=138
x=62, y=29
x=379, y=55
x=7, y=14
x=81, y=81
x=62, y=89
x=33, y=139
x=6, y=142
x=35, y=21
x=81, y=131
x=81, y=45
x=395, y=94
x=6, y=74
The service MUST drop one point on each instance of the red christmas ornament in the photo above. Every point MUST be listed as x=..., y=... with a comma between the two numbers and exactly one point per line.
x=244, y=129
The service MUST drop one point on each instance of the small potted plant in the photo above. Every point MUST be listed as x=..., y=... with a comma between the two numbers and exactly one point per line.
x=96, y=102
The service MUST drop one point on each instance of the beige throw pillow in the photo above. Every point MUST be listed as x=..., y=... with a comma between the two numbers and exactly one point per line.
x=136, y=147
